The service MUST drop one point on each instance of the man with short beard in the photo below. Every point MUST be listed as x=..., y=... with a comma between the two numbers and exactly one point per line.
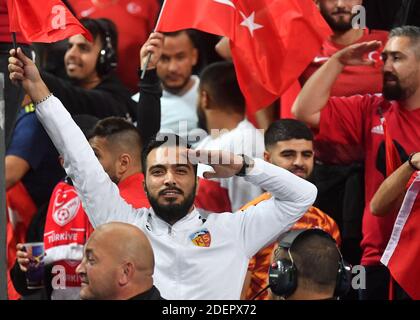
x=356, y=126
x=339, y=17
x=180, y=86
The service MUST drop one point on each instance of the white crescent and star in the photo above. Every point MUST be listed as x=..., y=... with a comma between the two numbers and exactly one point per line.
x=248, y=22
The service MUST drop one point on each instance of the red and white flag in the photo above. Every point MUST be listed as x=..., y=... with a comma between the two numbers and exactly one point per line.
x=402, y=254
x=272, y=41
x=43, y=21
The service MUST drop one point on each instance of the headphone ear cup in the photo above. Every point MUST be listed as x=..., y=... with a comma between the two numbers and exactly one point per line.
x=282, y=277
x=107, y=58
x=100, y=63
x=343, y=282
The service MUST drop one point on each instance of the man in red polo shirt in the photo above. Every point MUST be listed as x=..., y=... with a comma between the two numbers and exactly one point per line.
x=339, y=17
x=355, y=128
x=117, y=144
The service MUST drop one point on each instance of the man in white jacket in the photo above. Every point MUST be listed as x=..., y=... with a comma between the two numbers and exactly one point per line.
x=198, y=255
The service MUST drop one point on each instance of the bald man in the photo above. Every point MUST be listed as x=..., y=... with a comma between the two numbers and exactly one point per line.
x=118, y=264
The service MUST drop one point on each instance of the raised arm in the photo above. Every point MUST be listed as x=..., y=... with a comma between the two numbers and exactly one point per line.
x=390, y=194
x=90, y=180
x=315, y=93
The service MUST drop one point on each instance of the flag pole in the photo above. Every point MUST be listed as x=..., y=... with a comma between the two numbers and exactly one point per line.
x=144, y=67
x=3, y=219
x=14, y=40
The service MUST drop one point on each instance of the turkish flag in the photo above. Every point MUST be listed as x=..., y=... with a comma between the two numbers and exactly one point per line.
x=392, y=157
x=402, y=254
x=272, y=41
x=43, y=21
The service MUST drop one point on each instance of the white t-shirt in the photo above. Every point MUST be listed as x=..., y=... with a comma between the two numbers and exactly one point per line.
x=178, y=112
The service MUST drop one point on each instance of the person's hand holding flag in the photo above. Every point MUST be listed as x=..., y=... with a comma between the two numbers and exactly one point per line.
x=23, y=69
x=152, y=46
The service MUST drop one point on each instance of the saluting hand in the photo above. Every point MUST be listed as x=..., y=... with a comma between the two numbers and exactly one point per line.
x=356, y=54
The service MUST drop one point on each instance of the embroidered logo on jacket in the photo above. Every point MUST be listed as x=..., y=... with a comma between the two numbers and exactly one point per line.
x=201, y=238
x=66, y=206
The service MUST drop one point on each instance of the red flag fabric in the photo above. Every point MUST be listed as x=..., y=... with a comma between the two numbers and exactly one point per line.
x=43, y=21
x=393, y=160
x=272, y=41
x=402, y=254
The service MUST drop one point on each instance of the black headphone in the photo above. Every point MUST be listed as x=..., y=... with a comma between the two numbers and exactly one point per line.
x=283, y=272
x=107, y=59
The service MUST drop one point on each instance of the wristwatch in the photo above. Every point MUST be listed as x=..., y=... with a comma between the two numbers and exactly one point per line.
x=246, y=164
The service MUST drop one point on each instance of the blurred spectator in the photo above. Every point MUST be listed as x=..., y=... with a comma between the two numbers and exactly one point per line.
x=386, y=14
x=31, y=159
x=116, y=144
x=117, y=264
x=288, y=144
x=175, y=227
x=180, y=86
x=94, y=89
x=308, y=266
x=134, y=20
x=358, y=127
x=221, y=110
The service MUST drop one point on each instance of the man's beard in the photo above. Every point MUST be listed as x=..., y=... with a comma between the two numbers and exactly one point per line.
x=176, y=89
x=337, y=26
x=173, y=212
x=392, y=92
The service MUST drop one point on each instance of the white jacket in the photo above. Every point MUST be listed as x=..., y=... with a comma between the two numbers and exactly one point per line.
x=184, y=270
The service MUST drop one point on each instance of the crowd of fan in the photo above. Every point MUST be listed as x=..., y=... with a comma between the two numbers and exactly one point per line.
x=126, y=223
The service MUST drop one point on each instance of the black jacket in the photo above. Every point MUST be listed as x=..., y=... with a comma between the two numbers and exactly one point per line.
x=108, y=98
x=148, y=108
